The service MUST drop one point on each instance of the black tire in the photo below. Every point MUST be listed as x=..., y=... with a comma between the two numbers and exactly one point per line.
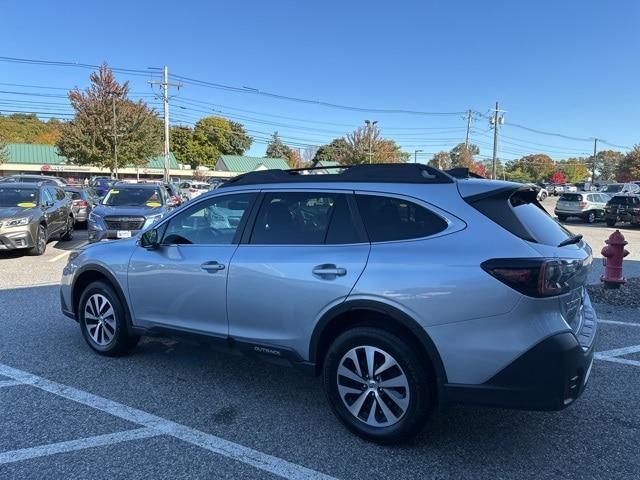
x=67, y=234
x=41, y=242
x=562, y=218
x=591, y=217
x=610, y=223
x=122, y=341
x=413, y=418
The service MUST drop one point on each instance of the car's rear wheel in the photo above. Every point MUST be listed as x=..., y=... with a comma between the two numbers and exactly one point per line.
x=103, y=321
x=68, y=231
x=41, y=242
x=377, y=385
x=591, y=217
x=610, y=222
x=562, y=218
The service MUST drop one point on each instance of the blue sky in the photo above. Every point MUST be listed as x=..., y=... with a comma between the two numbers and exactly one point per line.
x=569, y=67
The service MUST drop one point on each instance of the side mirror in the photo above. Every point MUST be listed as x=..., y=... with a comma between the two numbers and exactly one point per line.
x=149, y=239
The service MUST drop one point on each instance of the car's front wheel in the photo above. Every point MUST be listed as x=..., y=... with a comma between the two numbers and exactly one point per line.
x=562, y=218
x=611, y=222
x=103, y=321
x=40, y=245
x=377, y=385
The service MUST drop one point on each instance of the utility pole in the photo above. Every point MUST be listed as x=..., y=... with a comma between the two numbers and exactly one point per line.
x=593, y=166
x=466, y=139
x=164, y=84
x=415, y=156
x=496, y=121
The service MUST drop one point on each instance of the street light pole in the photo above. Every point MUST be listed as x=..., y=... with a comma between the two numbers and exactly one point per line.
x=370, y=126
x=115, y=137
x=415, y=156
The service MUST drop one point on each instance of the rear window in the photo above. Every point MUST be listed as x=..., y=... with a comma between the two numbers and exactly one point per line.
x=74, y=195
x=621, y=200
x=520, y=213
x=571, y=197
x=388, y=219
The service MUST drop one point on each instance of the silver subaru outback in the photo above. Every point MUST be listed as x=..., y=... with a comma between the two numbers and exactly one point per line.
x=402, y=286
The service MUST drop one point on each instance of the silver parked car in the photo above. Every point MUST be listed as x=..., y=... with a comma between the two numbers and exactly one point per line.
x=403, y=287
x=588, y=206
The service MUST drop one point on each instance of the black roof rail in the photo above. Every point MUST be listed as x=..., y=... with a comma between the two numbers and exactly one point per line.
x=374, y=173
x=460, y=172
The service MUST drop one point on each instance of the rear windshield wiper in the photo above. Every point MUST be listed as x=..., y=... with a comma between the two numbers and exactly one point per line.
x=571, y=240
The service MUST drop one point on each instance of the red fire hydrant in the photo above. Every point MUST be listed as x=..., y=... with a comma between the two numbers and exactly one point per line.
x=613, y=254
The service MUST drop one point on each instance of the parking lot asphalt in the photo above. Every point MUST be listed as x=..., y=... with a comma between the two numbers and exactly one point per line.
x=178, y=409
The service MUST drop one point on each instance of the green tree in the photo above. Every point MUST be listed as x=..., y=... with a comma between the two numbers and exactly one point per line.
x=463, y=156
x=89, y=138
x=277, y=149
x=441, y=160
x=366, y=145
x=574, y=169
x=28, y=128
x=4, y=154
x=181, y=141
x=515, y=172
x=629, y=167
x=606, y=164
x=336, y=151
x=533, y=168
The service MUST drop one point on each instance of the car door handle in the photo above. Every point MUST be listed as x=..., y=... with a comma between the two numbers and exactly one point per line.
x=329, y=270
x=212, y=267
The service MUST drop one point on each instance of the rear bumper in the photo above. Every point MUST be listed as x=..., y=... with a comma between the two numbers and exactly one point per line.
x=572, y=213
x=549, y=376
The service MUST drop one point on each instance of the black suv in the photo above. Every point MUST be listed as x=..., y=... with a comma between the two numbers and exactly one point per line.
x=622, y=208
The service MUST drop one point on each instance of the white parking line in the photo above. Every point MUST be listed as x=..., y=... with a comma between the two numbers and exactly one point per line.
x=226, y=448
x=73, y=445
x=9, y=383
x=615, y=322
x=624, y=361
x=58, y=257
x=617, y=352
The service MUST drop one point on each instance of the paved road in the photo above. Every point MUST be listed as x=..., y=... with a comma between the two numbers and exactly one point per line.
x=175, y=409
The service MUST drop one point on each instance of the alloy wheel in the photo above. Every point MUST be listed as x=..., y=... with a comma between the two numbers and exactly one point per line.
x=373, y=386
x=100, y=319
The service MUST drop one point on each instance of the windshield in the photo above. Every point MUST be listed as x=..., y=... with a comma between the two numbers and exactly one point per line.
x=133, y=197
x=18, y=197
x=612, y=188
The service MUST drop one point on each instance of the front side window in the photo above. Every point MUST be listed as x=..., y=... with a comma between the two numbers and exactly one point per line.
x=304, y=218
x=389, y=219
x=211, y=222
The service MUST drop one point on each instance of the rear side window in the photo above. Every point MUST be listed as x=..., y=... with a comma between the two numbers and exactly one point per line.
x=571, y=197
x=520, y=213
x=75, y=195
x=389, y=219
x=304, y=218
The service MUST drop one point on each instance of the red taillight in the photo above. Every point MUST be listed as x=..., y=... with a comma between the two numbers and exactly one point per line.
x=535, y=277
x=80, y=203
x=193, y=190
x=583, y=204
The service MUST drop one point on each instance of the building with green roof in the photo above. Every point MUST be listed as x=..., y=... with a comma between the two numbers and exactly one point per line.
x=241, y=164
x=34, y=158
